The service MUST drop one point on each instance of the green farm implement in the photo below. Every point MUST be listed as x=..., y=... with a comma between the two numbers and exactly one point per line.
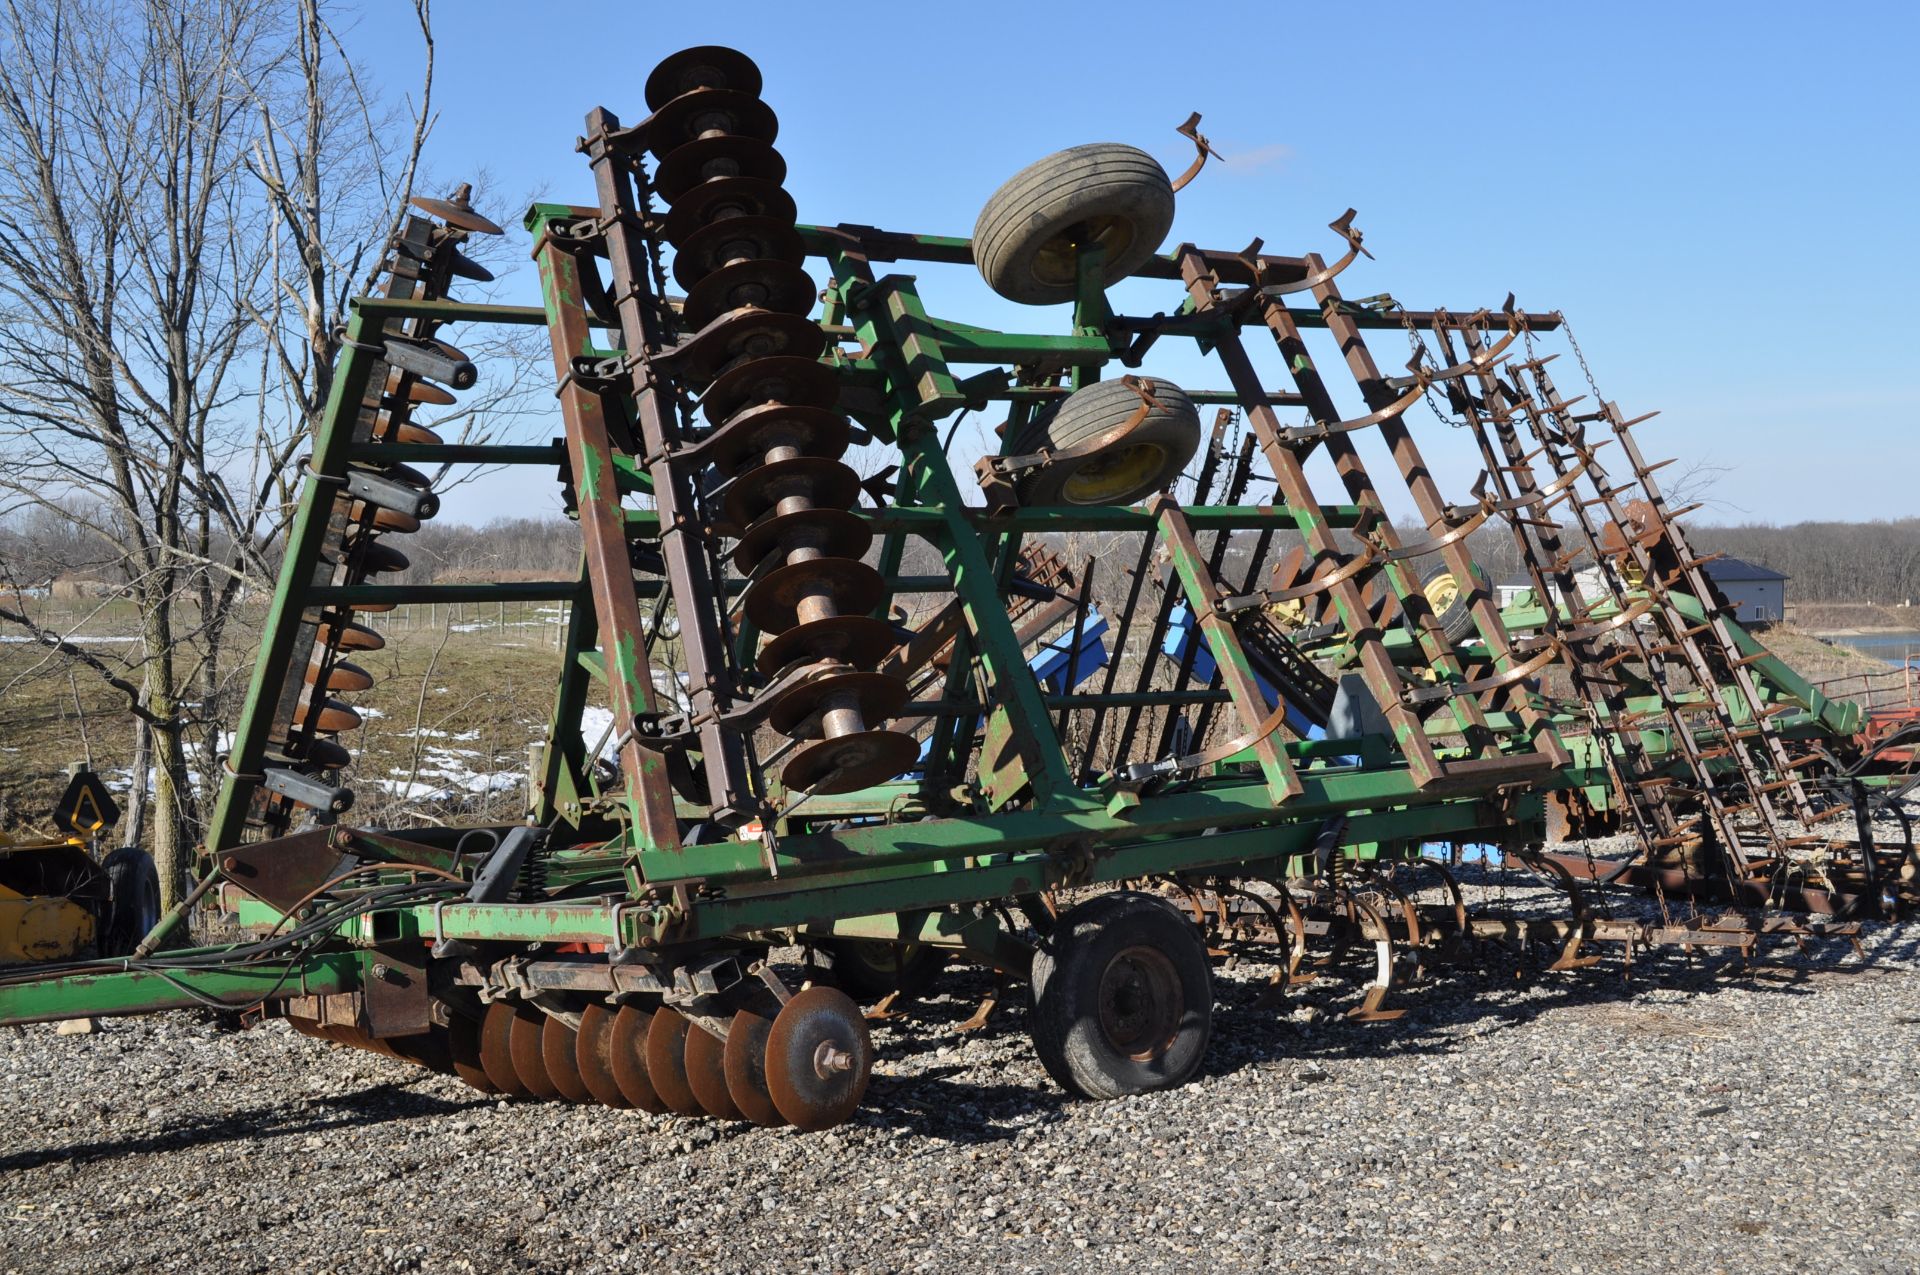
x=906, y=727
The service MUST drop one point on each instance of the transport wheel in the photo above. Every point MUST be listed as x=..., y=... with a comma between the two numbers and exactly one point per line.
x=667, y=1062
x=1449, y=602
x=525, y=1048
x=872, y=969
x=746, y=1063
x=819, y=1056
x=627, y=1054
x=133, y=900
x=593, y=1056
x=705, y=1058
x=1141, y=462
x=463, y=1043
x=559, y=1052
x=1122, y=997
x=1026, y=237
x=496, y=1055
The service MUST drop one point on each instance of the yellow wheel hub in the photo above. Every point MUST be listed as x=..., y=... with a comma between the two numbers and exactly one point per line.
x=1114, y=475
x=1442, y=592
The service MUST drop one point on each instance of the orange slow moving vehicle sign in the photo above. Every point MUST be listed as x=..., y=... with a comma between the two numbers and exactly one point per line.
x=85, y=807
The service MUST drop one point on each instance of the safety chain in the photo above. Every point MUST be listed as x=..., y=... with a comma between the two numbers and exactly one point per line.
x=1579, y=354
x=1422, y=355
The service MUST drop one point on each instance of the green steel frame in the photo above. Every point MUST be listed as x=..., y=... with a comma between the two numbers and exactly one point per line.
x=900, y=859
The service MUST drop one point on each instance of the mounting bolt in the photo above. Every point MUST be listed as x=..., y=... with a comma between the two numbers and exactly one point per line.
x=829, y=1060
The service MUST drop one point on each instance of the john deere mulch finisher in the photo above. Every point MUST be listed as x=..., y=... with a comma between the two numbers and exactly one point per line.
x=1286, y=731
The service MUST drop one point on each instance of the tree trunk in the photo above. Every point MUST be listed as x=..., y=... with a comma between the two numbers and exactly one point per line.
x=136, y=816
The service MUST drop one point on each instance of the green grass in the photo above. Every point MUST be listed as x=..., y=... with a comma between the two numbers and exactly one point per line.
x=479, y=698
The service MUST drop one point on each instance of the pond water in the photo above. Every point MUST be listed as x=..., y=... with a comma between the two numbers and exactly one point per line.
x=1895, y=648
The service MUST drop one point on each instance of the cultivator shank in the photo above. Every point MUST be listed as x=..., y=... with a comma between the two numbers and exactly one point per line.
x=866, y=713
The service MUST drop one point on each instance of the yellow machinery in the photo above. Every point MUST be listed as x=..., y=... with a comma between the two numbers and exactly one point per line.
x=56, y=902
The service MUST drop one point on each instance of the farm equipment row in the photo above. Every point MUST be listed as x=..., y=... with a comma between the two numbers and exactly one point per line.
x=1280, y=721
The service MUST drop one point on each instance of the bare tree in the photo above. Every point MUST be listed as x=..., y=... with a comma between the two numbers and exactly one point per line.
x=189, y=193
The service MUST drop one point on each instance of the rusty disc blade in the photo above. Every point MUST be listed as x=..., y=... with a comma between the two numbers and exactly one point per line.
x=851, y=762
x=374, y=558
x=836, y=533
x=321, y=753
x=496, y=1058
x=430, y=1049
x=593, y=1056
x=698, y=112
x=734, y=239
x=328, y=716
x=412, y=435
x=714, y=201
x=705, y=1059
x=780, y=379
x=667, y=1062
x=771, y=285
x=878, y=696
x=747, y=436
x=431, y=394
x=822, y=482
x=746, y=1063
x=349, y=637
x=858, y=640
x=306, y=1027
x=712, y=158
x=355, y=1037
x=627, y=1057
x=704, y=66
x=747, y=333
x=342, y=676
x=819, y=1056
x=850, y=586
x=464, y=267
x=377, y=518
x=417, y=391
x=456, y=212
x=524, y=1039
x=559, y=1052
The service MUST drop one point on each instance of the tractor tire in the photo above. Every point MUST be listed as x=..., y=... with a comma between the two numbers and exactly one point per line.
x=1024, y=240
x=1138, y=465
x=133, y=903
x=1122, y=997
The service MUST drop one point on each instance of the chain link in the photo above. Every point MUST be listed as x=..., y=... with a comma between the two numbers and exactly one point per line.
x=1422, y=355
x=1579, y=354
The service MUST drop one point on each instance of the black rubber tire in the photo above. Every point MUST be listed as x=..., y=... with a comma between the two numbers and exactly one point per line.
x=1067, y=1023
x=870, y=970
x=1456, y=619
x=1023, y=239
x=133, y=904
x=1152, y=455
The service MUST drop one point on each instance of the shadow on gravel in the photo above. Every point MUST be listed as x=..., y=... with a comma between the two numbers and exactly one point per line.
x=1494, y=992
x=376, y=1104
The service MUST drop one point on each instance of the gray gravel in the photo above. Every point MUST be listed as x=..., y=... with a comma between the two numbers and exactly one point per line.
x=1691, y=1120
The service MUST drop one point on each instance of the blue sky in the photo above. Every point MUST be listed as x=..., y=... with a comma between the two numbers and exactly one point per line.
x=1720, y=197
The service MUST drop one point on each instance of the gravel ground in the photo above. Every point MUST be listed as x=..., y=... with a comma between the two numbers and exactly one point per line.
x=1693, y=1119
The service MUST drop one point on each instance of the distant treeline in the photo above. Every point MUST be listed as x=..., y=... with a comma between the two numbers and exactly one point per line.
x=1877, y=562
